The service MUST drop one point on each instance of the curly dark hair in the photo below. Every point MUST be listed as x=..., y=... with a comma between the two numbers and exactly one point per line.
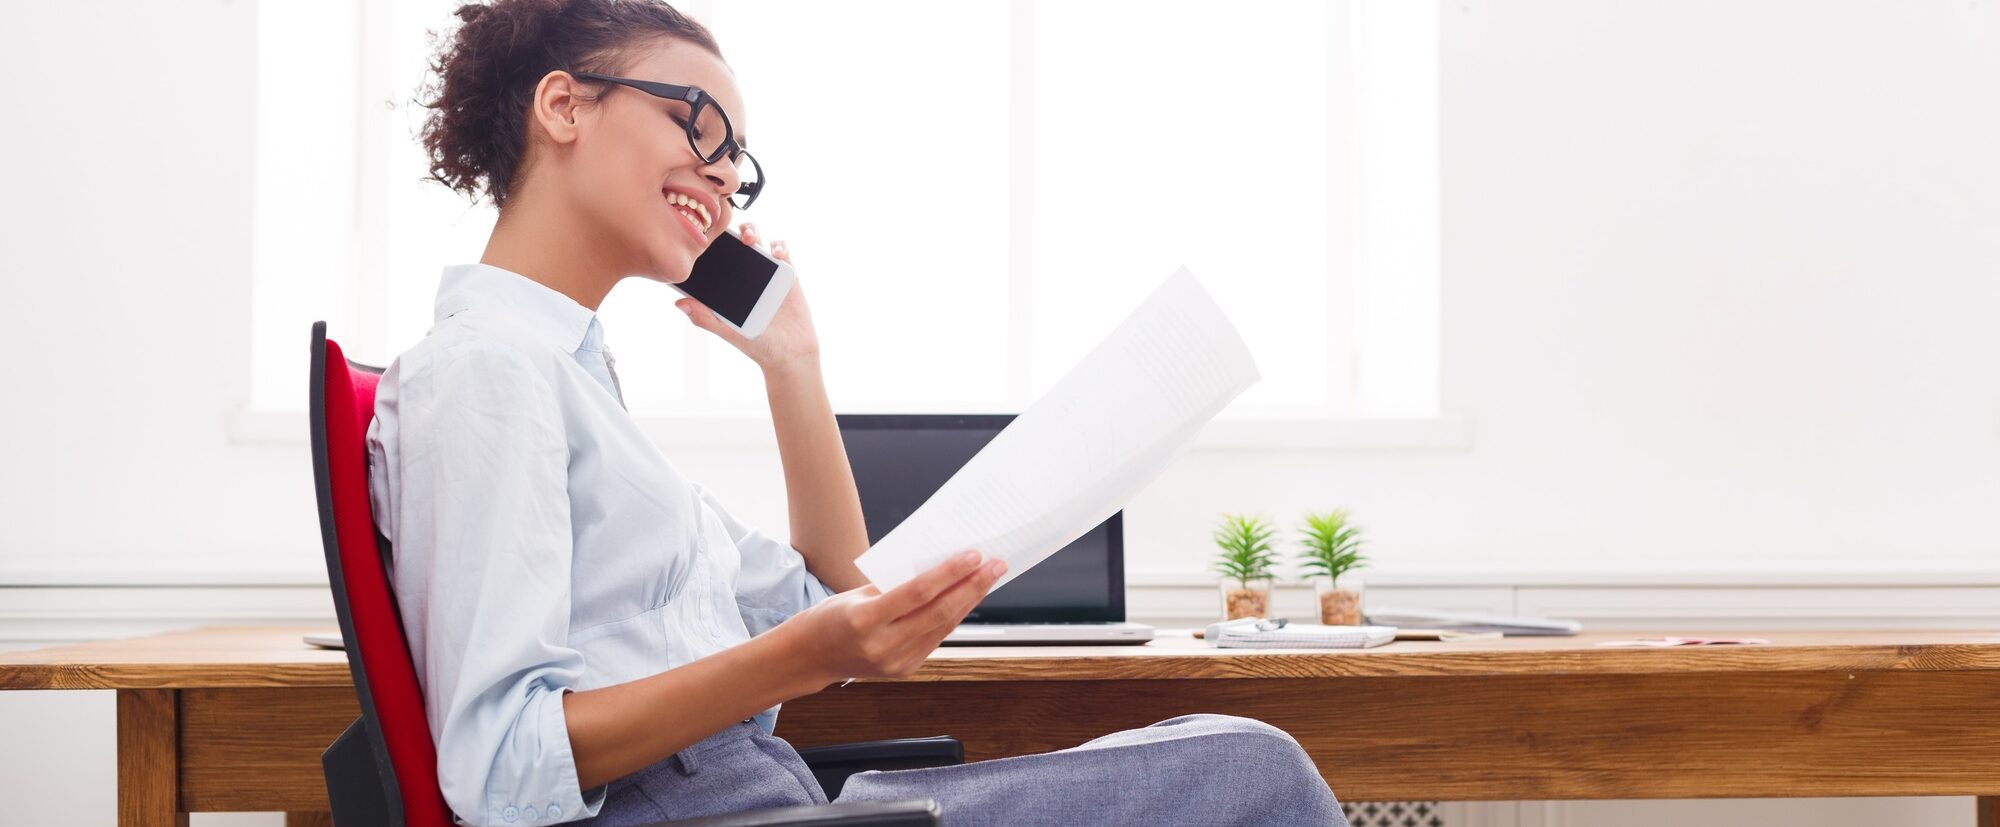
x=484, y=74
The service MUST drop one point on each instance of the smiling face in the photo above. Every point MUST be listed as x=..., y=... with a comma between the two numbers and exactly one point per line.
x=630, y=170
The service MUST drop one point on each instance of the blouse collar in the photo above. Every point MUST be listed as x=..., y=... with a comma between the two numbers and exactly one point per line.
x=547, y=313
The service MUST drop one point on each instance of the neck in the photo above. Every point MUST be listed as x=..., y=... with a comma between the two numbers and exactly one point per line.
x=555, y=248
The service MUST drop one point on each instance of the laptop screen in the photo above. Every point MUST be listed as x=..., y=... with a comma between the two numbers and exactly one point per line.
x=900, y=460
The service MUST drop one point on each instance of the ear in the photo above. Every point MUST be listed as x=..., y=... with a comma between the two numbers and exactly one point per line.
x=556, y=106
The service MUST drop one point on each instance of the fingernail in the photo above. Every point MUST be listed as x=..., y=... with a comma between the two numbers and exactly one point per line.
x=966, y=558
x=997, y=567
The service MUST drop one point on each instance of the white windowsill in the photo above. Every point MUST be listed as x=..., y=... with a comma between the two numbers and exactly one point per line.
x=137, y=573
x=745, y=431
x=1690, y=576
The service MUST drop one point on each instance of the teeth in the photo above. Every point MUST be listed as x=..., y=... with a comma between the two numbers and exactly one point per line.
x=696, y=209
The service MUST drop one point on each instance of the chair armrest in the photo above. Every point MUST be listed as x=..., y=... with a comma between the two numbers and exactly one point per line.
x=914, y=813
x=832, y=764
x=937, y=751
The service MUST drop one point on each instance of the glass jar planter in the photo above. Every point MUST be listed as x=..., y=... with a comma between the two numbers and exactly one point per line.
x=1339, y=600
x=1246, y=598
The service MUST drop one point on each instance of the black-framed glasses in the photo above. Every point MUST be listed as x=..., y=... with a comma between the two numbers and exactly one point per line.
x=709, y=132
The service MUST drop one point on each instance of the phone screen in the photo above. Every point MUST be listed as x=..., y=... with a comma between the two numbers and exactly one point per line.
x=729, y=277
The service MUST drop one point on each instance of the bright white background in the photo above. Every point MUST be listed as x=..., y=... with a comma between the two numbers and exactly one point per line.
x=1716, y=290
x=975, y=177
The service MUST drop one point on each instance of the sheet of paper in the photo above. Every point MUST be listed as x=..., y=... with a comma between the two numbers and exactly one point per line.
x=1083, y=450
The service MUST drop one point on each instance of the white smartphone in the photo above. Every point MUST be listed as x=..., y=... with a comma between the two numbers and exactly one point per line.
x=740, y=283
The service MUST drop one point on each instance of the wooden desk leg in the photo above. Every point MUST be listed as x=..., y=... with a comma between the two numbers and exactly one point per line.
x=149, y=758
x=1989, y=811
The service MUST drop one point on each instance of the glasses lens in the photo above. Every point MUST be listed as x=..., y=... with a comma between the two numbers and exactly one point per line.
x=750, y=180
x=711, y=129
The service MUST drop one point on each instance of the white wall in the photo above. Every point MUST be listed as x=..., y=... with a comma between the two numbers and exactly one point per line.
x=127, y=261
x=1718, y=287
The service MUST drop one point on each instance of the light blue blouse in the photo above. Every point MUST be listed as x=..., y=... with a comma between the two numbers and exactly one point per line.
x=542, y=543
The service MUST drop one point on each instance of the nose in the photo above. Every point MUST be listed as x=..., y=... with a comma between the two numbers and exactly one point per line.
x=723, y=175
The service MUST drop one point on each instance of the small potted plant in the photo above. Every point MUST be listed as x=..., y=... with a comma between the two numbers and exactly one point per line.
x=1331, y=553
x=1246, y=563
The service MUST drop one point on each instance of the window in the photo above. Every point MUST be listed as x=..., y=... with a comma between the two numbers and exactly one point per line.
x=1057, y=160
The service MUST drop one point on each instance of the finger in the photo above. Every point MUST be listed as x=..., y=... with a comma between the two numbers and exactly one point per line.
x=703, y=318
x=904, y=614
x=932, y=621
x=748, y=232
x=950, y=620
x=926, y=586
x=780, y=251
x=696, y=312
x=918, y=641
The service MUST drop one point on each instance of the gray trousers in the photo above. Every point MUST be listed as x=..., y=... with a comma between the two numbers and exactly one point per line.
x=1196, y=769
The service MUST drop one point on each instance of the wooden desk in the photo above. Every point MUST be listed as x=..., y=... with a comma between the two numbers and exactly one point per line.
x=234, y=719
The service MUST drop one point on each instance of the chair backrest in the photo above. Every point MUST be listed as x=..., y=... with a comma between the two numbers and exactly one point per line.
x=392, y=704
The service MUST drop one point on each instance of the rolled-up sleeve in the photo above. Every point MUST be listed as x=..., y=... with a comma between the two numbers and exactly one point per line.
x=774, y=583
x=482, y=544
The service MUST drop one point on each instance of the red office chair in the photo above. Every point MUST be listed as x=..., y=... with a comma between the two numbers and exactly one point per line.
x=382, y=771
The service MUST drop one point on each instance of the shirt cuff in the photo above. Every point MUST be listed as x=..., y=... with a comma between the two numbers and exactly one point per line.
x=565, y=800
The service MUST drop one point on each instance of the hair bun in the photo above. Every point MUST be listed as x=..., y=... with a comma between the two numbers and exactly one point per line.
x=484, y=75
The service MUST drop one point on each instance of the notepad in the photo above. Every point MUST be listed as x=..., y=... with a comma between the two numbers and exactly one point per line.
x=1249, y=634
x=1077, y=455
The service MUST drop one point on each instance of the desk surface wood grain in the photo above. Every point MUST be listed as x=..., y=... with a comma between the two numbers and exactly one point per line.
x=227, y=657
x=235, y=718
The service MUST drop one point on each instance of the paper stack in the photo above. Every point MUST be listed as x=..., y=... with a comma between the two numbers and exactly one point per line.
x=1256, y=633
x=1473, y=622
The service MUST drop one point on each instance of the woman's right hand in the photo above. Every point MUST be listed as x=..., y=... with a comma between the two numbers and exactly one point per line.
x=869, y=633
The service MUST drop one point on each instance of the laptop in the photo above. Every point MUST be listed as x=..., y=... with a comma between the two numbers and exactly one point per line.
x=1077, y=596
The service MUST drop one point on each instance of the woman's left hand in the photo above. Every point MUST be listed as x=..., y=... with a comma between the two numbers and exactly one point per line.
x=789, y=340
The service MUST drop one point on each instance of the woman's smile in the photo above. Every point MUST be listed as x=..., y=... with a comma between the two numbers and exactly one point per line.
x=694, y=213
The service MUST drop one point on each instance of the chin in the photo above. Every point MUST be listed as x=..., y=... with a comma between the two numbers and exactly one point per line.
x=668, y=275
x=671, y=266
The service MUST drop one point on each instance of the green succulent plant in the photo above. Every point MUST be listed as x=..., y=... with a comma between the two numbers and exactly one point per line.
x=1331, y=544
x=1246, y=553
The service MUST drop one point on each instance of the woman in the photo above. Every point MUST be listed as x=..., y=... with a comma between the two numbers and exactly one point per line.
x=596, y=636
